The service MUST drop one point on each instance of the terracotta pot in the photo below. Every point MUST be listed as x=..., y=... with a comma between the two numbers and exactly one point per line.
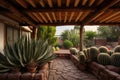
x=31, y=69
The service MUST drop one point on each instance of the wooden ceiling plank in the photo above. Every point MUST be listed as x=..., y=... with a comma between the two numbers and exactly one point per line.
x=91, y=2
x=50, y=3
x=99, y=2
x=67, y=3
x=97, y=16
x=71, y=16
x=42, y=3
x=114, y=18
x=78, y=17
x=60, y=16
x=53, y=14
x=104, y=7
x=49, y=17
x=22, y=3
x=16, y=11
x=37, y=16
x=112, y=15
x=59, y=3
x=84, y=2
x=33, y=17
x=76, y=3
x=31, y=3
x=43, y=17
x=66, y=14
x=84, y=15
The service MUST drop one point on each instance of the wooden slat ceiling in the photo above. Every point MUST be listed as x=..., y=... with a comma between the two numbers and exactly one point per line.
x=62, y=12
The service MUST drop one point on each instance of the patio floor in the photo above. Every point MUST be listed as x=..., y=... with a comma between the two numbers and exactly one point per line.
x=64, y=69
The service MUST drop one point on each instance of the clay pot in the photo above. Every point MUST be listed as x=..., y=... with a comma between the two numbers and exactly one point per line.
x=31, y=69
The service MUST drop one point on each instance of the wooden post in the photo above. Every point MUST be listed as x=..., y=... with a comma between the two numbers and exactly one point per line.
x=81, y=37
x=34, y=33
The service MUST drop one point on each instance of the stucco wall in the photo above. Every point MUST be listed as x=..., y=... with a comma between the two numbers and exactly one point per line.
x=1, y=37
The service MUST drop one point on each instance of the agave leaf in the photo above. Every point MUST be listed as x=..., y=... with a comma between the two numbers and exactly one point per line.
x=4, y=70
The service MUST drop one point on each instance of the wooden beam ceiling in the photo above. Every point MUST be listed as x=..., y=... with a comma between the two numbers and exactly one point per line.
x=107, y=4
x=13, y=9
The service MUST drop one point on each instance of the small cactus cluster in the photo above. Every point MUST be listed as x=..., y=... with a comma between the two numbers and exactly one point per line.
x=103, y=49
x=73, y=51
x=93, y=53
x=104, y=59
x=115, y=57
x=117, y=48
x=102, y=55
x=82, y=57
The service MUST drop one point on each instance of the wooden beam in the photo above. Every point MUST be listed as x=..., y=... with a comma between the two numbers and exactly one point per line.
x=53, y=14
x=112, y=15
x=107, y=4
x=78, y=17
x=42, y=10
x=76, y=3
x=71, y=16
x=13, y=9
x=66, y=14
x=84, y=2
x=49, y=17
x=50, y=3
x=42, y=3
x=91, y=2
x=31, y=3
x=60, y=16
x=67, y=3
x=43, y=17
x=22, y=3
x=59, y=3
x=37, y=16
x=81, y=37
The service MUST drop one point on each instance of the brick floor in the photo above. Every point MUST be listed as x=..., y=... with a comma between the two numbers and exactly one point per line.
x=64, y=69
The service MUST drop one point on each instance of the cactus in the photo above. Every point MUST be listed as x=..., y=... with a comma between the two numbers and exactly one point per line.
x=115, y=57
x=57, y=48
x=110, y=52
x=73, y=51
x=93, y=53
x=104, y=59
x=82, y=58
x=103, y=49
x=117, y=48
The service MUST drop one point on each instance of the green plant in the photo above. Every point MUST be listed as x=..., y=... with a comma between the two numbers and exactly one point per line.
x=73, y=51
x=93, y=53
x=103, y=49
x=57, y=48
x=117, y=48
x=104, y=59
x=67, y=44
x=115, y=57
x=27, y=53
x=82, y=57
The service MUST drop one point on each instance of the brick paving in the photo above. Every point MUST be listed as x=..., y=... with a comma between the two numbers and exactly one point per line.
x=64, y=69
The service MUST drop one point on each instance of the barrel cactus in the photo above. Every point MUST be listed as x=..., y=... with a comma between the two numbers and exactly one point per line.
x=115, y=57
x=103, y=49
x=85, y=52
x=110, y=52
x=82, y=58
x=117, y=48
x=73, y=51
x=93, y=53
x=104, y=59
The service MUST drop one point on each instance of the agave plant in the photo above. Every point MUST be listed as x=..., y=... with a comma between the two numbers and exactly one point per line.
x=26, y=53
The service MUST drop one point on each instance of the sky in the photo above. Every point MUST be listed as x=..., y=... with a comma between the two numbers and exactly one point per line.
x=60, y=29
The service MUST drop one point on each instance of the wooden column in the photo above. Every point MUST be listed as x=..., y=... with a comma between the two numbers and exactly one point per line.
x=81, y=37
x=34, y=33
